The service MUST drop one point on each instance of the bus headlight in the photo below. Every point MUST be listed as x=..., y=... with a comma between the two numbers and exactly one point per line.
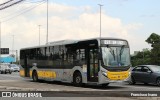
x=104, y=73
x=129, y=73
x=130, y=70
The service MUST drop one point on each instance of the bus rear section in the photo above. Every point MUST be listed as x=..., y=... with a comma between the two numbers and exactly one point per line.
x=24, y=69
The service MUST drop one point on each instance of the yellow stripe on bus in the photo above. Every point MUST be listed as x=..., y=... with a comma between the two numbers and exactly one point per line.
x=21, y=72
x=30, y=73
x=46, y=74
x=118, y=75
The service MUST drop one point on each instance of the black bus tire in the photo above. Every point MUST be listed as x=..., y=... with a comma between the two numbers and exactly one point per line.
x=77, y=79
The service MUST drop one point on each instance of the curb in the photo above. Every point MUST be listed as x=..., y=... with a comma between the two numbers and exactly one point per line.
x=91, y=93
x=27, y=89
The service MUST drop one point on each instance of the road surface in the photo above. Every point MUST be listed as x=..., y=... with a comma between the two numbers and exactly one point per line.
x=13, y=82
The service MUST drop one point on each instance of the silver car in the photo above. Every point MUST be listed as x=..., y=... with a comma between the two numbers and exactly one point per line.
x=4, y=69
x=14, y=67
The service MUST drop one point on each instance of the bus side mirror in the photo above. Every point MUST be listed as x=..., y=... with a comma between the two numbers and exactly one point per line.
x=99, y=56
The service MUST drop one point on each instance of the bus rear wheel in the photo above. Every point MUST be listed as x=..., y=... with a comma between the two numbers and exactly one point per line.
x=77, y=79
x=35, y=76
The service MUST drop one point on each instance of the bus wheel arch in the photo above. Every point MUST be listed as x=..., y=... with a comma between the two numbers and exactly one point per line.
x=77, y=78
x=35, y=76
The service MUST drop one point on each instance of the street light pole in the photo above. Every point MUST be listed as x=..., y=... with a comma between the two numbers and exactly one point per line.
x=17, y=56
x=0, y=41
x=100, y=18
x=13, y=45
x=47, y=24
x=39, y=33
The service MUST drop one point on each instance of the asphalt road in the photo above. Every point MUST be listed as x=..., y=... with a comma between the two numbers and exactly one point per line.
x=13, y=82
x=13, y=76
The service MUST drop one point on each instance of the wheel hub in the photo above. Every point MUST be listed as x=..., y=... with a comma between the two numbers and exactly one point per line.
x=78, y=79
x=158, y=82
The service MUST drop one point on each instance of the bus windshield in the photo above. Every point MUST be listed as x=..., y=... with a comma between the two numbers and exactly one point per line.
x=116, y=56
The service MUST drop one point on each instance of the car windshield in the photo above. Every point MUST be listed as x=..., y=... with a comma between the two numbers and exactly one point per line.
x=116, y=56
x=155, y=68
x=12, y=65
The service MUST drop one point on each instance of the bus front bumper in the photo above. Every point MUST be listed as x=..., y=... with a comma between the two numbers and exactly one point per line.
x=115, y=77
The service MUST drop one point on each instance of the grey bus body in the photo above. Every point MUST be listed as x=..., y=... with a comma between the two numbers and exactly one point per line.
x=92, y=61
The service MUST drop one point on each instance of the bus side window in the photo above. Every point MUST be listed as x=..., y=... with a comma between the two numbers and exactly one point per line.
x=51, y=52
x=39, y=54
x=69, y=55
x=56, y=53
x=80, y=57
x=47, y=52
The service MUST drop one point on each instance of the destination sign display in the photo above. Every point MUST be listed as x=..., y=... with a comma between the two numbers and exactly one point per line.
x=114, y=42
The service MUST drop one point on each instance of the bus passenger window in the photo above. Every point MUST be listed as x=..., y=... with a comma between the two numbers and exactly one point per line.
x=80, y=56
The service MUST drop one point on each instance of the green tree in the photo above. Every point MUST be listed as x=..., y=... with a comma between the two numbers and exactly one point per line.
x=154, y=40
x=141, y=58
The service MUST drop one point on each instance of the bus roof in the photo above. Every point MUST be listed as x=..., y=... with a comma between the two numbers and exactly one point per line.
x=65, y=42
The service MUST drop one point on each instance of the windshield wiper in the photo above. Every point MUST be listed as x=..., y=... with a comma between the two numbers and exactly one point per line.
x=112, y=52
x=121, y=51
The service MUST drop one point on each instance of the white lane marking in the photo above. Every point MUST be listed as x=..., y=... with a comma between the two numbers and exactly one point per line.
x=142, y=87
x=9, y=80
x=10, y=76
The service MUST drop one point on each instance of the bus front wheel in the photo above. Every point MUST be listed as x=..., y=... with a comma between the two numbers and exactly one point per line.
x=35, y=76
x=77, y=79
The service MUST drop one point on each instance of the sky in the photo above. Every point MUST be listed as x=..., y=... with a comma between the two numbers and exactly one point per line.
x=133, y=20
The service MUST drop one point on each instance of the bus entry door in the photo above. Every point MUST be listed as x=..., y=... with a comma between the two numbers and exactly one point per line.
x=93, y=65
x=26, y=69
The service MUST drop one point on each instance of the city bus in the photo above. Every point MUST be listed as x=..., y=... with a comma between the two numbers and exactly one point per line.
x=97, y=61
